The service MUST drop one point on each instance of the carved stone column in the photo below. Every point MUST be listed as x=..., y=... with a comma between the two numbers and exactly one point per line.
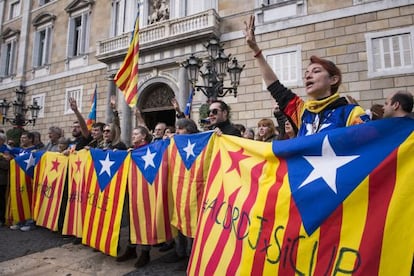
x=184, y=87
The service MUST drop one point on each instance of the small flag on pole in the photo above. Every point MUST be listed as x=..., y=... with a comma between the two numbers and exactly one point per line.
x=92, y=114
x=187, y=111
x=127, y=77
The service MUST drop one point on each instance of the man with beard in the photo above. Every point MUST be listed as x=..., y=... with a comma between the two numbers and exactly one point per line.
x=219, y=115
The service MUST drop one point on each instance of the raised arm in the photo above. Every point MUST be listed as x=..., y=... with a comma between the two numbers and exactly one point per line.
x=139, y=120
x=267, y=73
x=82, y=122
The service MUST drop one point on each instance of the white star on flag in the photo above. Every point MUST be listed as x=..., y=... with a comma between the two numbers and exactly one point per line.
x=106, y=165
x=149, y=159
x=30, y=162
x=189, y=149
x=326, y=165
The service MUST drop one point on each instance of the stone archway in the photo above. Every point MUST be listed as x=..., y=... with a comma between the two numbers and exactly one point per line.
x=155, y=105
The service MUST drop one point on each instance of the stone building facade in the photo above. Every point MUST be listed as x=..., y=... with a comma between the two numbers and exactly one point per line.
x=58, y=49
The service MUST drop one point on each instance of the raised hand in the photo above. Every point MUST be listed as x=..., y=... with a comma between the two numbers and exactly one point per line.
x=249, y=34
x=73, y=104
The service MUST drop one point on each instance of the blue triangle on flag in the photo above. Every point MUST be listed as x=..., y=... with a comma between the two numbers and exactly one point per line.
x=190, y=146
x=148, y=158
x=325, y=168
x=106, y=164
x=28, y=161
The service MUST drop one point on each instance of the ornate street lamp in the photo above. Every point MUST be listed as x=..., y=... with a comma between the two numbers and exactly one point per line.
x=213, y=70
x=19, y=109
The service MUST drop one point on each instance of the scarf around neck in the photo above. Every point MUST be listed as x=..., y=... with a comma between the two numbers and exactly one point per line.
x=316, y=106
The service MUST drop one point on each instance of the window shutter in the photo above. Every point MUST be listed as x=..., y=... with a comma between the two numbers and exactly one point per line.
x=3, y=58
x=84, y=33
x=48, y=45
x=13, y=56
x=71, y=37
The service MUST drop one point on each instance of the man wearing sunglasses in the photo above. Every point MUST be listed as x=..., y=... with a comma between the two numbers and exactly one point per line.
x=219, y=115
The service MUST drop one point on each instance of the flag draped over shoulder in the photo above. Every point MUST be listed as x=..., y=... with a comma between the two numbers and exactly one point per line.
x=77, y=194
x=92, y=114
x=189, y=160
x=50, y=190
x=21, y=195
x=334, y=202
x=106, y=176
x=150, y=200
x=127, y=77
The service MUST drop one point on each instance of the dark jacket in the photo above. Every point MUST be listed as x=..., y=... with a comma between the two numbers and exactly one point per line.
x=227, y=128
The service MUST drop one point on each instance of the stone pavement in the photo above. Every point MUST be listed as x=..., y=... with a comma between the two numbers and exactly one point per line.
x=42, y=252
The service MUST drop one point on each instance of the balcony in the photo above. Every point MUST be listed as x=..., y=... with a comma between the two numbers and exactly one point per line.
x=162, y=35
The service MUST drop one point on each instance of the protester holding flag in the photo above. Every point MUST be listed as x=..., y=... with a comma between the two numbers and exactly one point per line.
x=5, y=157
x=183, y=244
x=140, y=137
x=26, y=146
x=219, y=115
x=324, y=110
x=54, y=135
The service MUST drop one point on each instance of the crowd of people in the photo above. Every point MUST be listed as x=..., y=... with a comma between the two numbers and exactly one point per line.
x=323, y=111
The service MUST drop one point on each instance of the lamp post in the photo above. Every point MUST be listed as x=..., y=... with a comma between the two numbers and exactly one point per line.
x=19, y=110
x=213, y=70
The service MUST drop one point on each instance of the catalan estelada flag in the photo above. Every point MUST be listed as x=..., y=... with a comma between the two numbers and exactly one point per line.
x=127, y=76
x=92, y=113
x=77, y=193
x=150, y=198
x=22, y=170
x=332, y=203
x=50, y=190
x=106, y=179
x=189, y=161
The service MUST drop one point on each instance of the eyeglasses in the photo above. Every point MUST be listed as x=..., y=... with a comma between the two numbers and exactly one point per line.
x=214, y=111
x=106, y=130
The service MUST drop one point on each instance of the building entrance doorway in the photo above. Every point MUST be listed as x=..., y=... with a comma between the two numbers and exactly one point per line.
x=156, y=106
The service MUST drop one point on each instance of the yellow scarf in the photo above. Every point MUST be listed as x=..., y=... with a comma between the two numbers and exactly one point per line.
x=316, y=106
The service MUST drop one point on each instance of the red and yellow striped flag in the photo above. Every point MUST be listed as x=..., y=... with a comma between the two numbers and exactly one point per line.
x=322, y=205
x=187, y=184
x=127, y=77
x=104, y=206
x=50, y=190
x=150, y=202
x=21, y=187
x=77, y=196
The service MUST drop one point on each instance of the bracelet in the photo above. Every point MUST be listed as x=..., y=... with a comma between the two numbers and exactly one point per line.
x=258, y=53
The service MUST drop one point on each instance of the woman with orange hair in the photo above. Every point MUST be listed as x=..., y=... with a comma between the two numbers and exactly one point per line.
x=325, y=109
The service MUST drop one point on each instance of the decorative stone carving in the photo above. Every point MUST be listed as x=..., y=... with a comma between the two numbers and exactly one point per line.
x=159, y=11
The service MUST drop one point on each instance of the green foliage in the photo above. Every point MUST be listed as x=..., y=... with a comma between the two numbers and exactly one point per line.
x=14, y=134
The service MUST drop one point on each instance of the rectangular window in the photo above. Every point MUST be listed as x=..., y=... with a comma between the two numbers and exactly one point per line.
x=75, y=93
x=124, y=14
x=390, y=52
x=40, y=100
x=286, y=63
x=8, y=58
x=14, y=9
x=193, y=6
x=78, y=37
x=42, y=47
